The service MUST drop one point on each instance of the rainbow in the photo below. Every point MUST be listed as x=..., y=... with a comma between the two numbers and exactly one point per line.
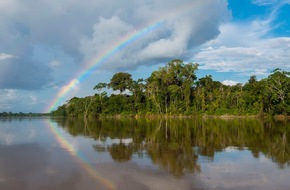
x=103, y=56
x=90, y=66
x=114, y=48
x=80, y=158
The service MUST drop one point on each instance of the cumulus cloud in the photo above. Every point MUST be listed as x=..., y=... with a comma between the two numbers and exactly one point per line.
x=246, y=48
x=85, y=29
x=105, y=33
x=183, y=26
x=264, y=55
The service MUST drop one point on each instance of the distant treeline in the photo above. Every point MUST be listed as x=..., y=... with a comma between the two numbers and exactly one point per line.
x=20, y=114
x=175, y=89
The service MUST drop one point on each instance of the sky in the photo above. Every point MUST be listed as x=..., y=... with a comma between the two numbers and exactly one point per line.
x=53, y=50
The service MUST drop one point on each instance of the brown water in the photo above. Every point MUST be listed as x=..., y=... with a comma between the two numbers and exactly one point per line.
x=82, y=154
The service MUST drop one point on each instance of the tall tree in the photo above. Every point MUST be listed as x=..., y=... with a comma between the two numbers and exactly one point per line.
x=253, y=96
x=100, y=86
x=100, y=96
x=278, y=86
x=120, y=81
x=137, y=88
x=171, y=86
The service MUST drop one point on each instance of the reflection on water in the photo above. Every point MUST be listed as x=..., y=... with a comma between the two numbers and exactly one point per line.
x=146, y=154
x=175, y=144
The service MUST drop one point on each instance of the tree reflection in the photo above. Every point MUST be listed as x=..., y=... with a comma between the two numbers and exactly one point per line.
x=170, y=147
x=120, y=152
x=175, y=145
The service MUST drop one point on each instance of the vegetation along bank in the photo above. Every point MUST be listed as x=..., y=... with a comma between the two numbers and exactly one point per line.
x=175, y=90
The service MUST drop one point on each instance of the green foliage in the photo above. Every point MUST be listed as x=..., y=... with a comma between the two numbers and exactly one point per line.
x=170, y=88
x=278, y=88
x=174, y=89
x=120, y=81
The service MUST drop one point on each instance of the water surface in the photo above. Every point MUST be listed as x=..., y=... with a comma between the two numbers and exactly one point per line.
x=197, y=154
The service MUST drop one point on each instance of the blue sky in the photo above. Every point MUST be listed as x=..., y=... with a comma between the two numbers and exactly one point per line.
x=44, y=45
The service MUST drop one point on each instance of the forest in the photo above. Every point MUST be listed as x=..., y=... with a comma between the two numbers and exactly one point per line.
x=175, y=90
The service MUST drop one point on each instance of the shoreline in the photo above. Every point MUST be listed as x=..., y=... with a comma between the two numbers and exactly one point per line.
x=204, y=116
x=154, y=116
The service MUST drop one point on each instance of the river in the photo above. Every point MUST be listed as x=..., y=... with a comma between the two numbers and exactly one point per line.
x=153, y=154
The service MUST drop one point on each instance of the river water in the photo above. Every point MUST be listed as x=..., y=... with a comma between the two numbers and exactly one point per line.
x=157, y=154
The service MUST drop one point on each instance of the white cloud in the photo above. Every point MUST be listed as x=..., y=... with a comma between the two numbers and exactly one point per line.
x=264, y=55
x=263, y=2
x=106, y=32
x=229, y=82
x=245, y=48
x=183, y=26
x=269, y=2
x=81, y=30
x=4, y=56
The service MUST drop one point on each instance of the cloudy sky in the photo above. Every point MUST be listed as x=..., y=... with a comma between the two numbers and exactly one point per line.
x=58, y=49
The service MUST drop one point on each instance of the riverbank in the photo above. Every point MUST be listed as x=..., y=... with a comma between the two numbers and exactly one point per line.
x=225, y=116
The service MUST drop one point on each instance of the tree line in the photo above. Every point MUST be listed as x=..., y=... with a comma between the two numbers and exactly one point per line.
x=175, y=89
x=20, y=114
